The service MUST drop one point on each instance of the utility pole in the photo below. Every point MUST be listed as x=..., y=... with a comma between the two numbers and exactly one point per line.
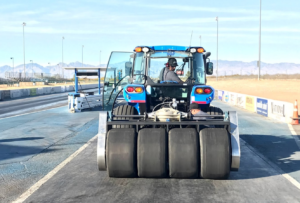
x=200, y=40
x=12, y=58
x=82, y=55
x=217, y=19
x=259, y=65
x=24, y=24
x=31, y=65
x=100, y=59
x=62, y=56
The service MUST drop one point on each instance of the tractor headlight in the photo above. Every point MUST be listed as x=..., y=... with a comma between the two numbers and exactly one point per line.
x=145, y=49
x=193, y=50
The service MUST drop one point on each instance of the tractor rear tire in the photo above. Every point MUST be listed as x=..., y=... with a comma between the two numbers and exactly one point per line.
x=183, y=153
x=152, y=153
x=121, y=153
x=214, y=153
x=123, y=110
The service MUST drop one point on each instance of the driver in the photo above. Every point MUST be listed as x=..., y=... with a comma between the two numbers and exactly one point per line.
x=168, y=72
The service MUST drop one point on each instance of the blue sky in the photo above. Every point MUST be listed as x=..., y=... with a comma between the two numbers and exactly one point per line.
x=119, y=25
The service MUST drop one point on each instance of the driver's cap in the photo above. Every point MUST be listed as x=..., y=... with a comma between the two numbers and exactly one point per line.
x=172, y=62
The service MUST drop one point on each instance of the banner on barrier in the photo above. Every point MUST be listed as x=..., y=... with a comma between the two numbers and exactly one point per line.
x=240, y=100
x=40, y=91
x=232, y=98
x=226, y=97
x=216, y=94
x=262, y=106
x=33, y=91
x=250, y=103
x=276, y=110
x=220, y=94
x=47, y=90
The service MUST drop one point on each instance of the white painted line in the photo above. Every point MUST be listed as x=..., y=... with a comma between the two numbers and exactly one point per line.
x=277, y=169
x=44, y=106
x=42, y=181
x=294, y=134
x=292, y=180
x=286, y=176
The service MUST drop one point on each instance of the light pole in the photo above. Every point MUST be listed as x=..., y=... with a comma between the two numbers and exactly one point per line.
x=82, y=55
x=62, y=56
x=200, y=40
x=259, y=65
x=24, y=24
x=31, y=65
x=217, y=19
x=100, y=58
x=58, y=71
x=12, y=58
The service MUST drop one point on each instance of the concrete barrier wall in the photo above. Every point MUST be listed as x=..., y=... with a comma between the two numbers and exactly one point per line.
x=47, y=90
x=63, y=88
x=277, y=110
x=5, y=94
x=40, y=91
x=11, y=94
x=19, y=93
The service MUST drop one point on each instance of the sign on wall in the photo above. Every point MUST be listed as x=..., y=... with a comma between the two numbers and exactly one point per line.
x=220, y=94
x=226, y=97
x=250, y=103
x=276, y=110
x=262, y=106
x=232, y=98
x=216, y=94
x=240, y=100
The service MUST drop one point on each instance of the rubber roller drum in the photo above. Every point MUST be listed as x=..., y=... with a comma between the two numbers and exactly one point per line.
x=183, y=153
x=121, y=153
x=214, y=153
x=152, y=153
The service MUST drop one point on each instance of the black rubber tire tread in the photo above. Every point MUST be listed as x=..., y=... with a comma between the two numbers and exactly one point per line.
x=121, y=153
x=214, y=153
x=212, y=110
x=184, y=153
x=124, y=110
x=152, y=153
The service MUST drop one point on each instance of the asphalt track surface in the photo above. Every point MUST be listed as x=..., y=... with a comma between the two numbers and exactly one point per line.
x=31, y=104
x=49, y=137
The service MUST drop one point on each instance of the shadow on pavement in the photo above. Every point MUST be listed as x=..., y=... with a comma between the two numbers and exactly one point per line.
x=21, y=139
x=280, y=150
x=17, y=153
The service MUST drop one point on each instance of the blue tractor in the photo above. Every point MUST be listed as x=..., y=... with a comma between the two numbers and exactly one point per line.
x=146, y=128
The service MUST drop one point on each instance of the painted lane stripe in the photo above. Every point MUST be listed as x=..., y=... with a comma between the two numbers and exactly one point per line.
x=38, y=184
x=31, y=112
x=294, y=134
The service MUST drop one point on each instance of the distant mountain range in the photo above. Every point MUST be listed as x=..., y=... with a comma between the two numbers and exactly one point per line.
x=50, y=69
x=224, y=67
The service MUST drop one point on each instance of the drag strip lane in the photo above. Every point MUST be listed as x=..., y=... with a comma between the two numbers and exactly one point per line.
x=269, y=151
x=80, y=181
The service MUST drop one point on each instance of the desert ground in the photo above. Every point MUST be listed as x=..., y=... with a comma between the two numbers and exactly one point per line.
x=278, y=89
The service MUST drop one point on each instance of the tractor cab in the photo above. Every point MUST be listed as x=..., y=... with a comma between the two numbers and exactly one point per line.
x=143, y=70
x=147, y=129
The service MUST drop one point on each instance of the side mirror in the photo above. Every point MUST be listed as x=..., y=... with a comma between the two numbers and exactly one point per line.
x=207, y=54
x=209, y=68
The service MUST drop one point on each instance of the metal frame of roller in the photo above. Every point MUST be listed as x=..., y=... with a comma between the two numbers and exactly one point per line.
x=164, y=169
